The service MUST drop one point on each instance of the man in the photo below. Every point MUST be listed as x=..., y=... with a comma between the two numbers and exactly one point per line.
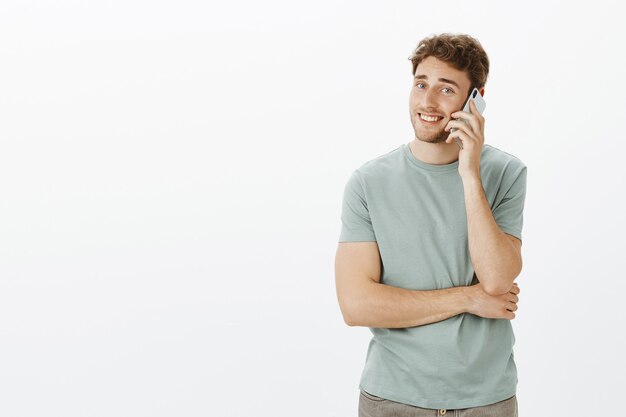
x=429, y=248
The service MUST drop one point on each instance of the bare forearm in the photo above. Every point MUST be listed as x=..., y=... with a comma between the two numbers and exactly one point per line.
x=494, y=257
x=385, y=306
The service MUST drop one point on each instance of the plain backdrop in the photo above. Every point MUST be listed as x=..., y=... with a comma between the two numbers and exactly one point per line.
x=171, y=176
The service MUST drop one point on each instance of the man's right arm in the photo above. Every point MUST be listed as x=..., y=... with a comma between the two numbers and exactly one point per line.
x=364, y=301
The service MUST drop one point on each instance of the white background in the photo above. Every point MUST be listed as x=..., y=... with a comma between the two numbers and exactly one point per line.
x=171, y=176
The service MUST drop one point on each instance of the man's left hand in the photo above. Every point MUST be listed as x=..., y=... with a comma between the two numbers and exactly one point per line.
x=471, y=132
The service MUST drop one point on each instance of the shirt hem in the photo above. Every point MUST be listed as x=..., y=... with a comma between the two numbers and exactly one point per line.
x=435, y=404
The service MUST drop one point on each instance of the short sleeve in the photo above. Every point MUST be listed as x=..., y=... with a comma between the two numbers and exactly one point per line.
x=356, y=224
x=509, y=213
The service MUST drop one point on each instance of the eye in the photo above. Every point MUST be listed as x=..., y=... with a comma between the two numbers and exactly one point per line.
x=451, y=90
x=418, y=84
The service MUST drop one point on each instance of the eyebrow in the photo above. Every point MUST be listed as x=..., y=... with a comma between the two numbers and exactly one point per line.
x=443, y=80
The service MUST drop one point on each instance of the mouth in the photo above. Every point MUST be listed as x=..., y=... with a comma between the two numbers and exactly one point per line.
x=429, y=119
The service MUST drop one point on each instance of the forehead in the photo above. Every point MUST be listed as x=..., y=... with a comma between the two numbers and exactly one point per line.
x=435, y=68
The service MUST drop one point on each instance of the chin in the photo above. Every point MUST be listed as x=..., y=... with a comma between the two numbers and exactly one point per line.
x=441, y=138
x=436, y=140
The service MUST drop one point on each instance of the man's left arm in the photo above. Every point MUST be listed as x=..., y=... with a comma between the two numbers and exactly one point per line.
x=496, y=256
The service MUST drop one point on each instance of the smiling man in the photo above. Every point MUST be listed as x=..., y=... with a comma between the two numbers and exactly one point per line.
x=429, y=249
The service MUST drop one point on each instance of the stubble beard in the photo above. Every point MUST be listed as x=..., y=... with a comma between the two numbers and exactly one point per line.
x=438, y=136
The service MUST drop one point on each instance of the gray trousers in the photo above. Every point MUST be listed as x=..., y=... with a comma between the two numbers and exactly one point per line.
x=373, y=406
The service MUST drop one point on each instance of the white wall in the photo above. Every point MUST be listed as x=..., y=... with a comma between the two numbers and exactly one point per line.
x=171, y=177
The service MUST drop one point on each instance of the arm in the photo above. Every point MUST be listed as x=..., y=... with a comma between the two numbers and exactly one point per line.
x=496, y=259
x=364, y=301
x=496, y=256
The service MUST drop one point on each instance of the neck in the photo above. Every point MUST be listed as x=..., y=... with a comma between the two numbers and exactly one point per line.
x=435, y=153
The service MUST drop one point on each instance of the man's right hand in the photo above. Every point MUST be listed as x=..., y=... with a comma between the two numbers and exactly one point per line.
x=493, y=306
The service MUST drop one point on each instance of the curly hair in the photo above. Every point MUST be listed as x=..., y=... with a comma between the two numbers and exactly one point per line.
x=461, y=51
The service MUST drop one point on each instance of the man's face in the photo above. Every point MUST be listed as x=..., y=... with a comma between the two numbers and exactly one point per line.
x=438, y=90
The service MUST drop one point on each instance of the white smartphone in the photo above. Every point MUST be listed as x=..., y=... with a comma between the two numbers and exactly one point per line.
x=479, y=101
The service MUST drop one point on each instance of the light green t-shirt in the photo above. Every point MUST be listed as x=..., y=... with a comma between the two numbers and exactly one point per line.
x=416, y=213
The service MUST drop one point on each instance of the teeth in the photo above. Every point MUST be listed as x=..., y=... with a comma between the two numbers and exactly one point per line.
x=429, y=119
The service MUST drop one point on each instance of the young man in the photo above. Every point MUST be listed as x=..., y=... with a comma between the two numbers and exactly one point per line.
x=429, y=248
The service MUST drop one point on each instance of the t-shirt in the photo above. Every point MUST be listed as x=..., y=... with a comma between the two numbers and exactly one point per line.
x=416, y=213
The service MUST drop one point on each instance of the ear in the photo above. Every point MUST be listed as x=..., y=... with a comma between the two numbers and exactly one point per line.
x=482, y=91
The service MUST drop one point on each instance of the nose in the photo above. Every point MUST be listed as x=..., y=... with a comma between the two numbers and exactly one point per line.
x=429, y=100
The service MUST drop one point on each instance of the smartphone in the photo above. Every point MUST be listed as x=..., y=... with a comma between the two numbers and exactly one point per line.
x=479, y=101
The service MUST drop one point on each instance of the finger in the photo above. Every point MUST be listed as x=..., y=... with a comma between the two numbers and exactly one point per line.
x=462, y=135
x=458, y=124
x=461, y=127
x=472, y=117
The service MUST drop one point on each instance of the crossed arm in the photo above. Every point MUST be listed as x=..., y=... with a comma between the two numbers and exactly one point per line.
x=496, y=256
x=364, y=301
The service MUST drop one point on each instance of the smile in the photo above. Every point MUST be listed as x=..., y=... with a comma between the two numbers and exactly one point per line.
x=429, y=119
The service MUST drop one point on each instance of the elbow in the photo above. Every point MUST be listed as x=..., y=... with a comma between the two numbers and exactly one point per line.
x=347, y=319
x=354, y=317
x=346, y=312
x=495, y=290
x=499, y=287
x=503, y=282
x=350, y=321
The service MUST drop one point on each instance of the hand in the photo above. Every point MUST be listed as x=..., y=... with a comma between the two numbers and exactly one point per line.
x=471, y=132
x=493, y=306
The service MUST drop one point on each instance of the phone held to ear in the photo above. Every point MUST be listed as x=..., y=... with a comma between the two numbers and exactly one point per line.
x=479, y=101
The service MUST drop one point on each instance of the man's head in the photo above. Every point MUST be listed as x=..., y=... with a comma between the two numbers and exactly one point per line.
x=446, y=68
